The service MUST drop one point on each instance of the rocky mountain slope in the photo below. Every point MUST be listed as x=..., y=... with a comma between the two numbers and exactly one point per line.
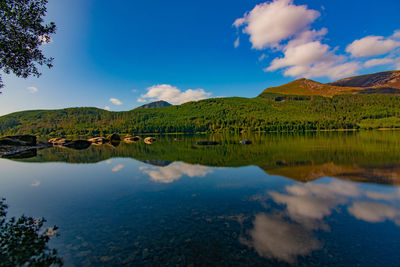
x=377, y=83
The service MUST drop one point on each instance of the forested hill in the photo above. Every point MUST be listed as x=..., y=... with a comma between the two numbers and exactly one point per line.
x=387, y=82
x=157, y=104
x=270, y=112
x=366, y=102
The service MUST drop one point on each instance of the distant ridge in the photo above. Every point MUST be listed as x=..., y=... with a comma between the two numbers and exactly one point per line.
x=309, y=87
x=302, y=105
x=157, y=104
x=387, y=82
x=386, y=79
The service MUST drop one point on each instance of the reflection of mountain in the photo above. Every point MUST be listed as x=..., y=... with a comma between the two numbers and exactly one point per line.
x=157, y=162
x=356, y=173
x=364, y=156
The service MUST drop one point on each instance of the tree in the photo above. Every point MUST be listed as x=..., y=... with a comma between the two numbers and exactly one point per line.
x=22, y=32
x=23, y=243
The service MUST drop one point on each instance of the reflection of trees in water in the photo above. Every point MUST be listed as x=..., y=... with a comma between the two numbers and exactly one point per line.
x=23, y=242
x=364, y=156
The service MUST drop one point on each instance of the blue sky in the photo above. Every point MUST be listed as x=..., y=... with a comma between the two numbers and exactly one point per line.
x=121, y=54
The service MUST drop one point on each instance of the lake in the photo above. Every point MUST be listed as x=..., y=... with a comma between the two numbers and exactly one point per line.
x=328, y=198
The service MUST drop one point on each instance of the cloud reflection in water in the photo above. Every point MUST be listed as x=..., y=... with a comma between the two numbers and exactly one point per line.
x=274, y=237
x=284, y=234
x=175, y=171
x=374, y=212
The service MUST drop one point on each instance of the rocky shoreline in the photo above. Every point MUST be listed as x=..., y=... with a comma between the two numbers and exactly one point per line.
x=27, y=145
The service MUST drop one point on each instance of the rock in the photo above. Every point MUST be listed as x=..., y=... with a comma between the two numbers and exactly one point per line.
x=207, y=143
x=114, y=137
x=78, y=144
x=21, y=154
x=114, y=143
x=131, y=139
x=246, y=142
x=98, y=140
x=59, y=141
x=11, y=142
x=150, y=140
x=42, y=143
x=19, y=140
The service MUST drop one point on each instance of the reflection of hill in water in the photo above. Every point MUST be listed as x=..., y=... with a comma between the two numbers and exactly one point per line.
x=363, y=156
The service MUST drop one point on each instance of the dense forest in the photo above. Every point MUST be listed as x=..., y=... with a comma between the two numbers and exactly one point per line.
x=266, y=113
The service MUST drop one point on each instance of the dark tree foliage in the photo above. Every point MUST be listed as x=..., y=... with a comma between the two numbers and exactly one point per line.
x=23, y=243
x=22, y=32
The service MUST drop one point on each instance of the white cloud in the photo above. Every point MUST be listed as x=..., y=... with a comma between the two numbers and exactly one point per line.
x=107, y=108
x=115, y=101
x=396, y=35
x=262, y=57
x=134, y=90
x=172, y=94
x=378, y=61
x=236, y=43
x=117, y=168
x=306, y=56
x=282, y=26
x=175, y=171
x=270, y=23
x=372, y=46
x=32, y=89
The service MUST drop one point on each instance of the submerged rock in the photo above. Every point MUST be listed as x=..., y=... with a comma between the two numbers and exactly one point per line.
x=150, y=140
x=207, y=143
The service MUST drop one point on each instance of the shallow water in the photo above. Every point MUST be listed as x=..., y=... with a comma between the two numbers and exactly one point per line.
x=314, y=199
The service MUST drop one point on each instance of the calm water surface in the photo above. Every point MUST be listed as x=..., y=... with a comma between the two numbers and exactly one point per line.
x=315, y=199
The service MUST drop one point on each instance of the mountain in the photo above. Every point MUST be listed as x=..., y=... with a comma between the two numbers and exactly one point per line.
x=377, y=83
x=387, y=79
x=156, y=104
x=309, y=87
x=302, y=105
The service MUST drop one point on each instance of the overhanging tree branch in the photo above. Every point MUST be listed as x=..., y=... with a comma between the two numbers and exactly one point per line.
x=22, y=32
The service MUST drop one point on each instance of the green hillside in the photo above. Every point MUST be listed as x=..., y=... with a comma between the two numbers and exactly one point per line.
x=269, y=112
x=310, y=87
x=387, y=82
